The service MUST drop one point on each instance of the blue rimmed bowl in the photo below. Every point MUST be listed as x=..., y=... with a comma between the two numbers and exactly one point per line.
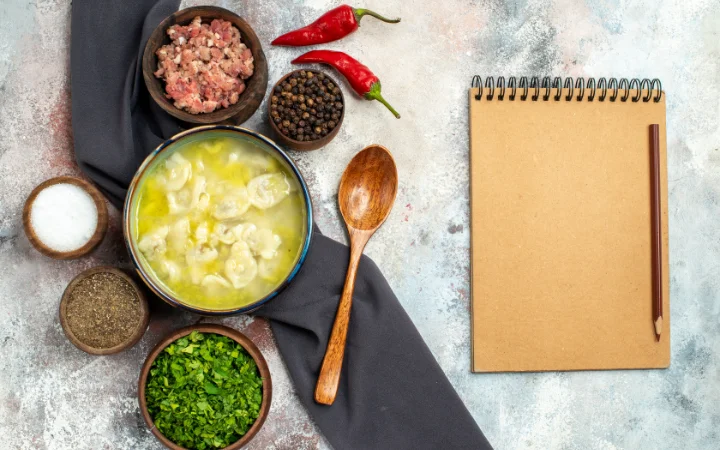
x=165, y=149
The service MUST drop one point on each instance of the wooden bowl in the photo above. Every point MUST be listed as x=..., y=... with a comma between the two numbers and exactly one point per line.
x=132, y=340
x=306, y=145
x=236, y=336
x=255, y=86
x=100, y=229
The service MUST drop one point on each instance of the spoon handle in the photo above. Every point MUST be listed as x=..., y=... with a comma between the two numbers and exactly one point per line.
x=329, y=378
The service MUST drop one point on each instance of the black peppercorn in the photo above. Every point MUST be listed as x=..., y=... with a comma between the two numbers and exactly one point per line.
x=306, y=106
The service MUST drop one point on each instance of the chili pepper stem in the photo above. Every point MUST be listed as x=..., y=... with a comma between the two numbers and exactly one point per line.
x=360, y=12
x=374, y=94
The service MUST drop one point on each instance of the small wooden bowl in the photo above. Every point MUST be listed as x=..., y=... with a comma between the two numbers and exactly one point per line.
x=100, y=229
x=132, y=340
x=306, y=145
x=255, y=86
x=236, y=336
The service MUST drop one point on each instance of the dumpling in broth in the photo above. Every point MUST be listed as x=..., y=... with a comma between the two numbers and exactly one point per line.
x=220, y=222
x=153, y=244
x=232, y=204
x=268, y=190
x=240, y=267
x=178, y=172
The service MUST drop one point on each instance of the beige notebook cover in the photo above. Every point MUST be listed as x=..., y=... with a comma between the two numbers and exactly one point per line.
x=561, y=233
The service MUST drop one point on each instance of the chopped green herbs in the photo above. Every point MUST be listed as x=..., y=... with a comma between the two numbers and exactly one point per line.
x=204, y=391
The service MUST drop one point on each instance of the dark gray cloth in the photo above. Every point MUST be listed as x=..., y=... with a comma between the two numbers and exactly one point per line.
x=393, y=394
x=116, y=124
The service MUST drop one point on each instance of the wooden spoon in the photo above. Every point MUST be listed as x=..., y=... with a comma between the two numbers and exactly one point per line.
x=366, y=196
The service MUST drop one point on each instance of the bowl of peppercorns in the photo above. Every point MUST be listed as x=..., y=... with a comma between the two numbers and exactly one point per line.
x=306, y=109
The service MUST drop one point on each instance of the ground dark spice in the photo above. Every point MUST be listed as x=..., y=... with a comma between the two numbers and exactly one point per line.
x=103, y=310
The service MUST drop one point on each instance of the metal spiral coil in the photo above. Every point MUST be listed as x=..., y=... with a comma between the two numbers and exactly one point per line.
x=645, y=88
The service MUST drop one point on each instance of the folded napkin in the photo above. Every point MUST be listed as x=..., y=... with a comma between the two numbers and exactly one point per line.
x=393, y=394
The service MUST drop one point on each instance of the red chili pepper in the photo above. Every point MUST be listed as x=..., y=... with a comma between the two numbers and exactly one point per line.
x=362, y=80
x=331, y=26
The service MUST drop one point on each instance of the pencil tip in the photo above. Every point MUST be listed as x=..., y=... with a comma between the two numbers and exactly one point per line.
x=657, y=338
x=658, y=327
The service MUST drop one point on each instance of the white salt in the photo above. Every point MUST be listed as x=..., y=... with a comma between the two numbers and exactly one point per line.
x=64, y=217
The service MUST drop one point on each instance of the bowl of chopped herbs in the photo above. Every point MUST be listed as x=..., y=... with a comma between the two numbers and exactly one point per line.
x=205, y=387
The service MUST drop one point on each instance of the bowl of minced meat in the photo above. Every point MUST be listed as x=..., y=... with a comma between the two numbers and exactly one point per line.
x=205, y=65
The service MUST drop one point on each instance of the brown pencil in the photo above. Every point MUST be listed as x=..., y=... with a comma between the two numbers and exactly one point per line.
x=657, y=312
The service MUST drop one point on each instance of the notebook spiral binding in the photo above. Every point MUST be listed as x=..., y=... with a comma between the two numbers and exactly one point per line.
x=545, y=86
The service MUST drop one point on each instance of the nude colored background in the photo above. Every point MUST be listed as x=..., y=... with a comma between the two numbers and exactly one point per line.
x=52, y=396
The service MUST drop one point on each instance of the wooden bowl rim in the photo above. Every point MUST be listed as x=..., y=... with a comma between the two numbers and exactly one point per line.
x=100, y=228
x=307, y=145
x=219, y=115
x=236, y=336
x=132, y=340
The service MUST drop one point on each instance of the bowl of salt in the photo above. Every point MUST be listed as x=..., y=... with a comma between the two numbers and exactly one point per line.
x=65, y=217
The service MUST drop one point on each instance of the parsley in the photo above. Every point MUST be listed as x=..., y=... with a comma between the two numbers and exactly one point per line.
x=204, y=391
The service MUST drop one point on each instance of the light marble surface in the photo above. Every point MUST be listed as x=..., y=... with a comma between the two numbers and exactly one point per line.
x=52, y=396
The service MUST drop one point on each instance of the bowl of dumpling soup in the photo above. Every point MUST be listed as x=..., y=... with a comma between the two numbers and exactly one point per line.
x=218, y=220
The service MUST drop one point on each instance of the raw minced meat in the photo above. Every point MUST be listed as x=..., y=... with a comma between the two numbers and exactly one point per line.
x=205, y=66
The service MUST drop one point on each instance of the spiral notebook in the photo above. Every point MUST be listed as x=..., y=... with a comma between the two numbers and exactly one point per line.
x=561, y=224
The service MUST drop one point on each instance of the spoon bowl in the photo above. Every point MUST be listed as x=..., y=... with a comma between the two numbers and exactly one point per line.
x=368, y=188
x=367, y=193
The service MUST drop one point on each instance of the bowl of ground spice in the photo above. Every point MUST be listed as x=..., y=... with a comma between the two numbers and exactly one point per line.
x=103, y=311
x=306, y=109
x=205, y=387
